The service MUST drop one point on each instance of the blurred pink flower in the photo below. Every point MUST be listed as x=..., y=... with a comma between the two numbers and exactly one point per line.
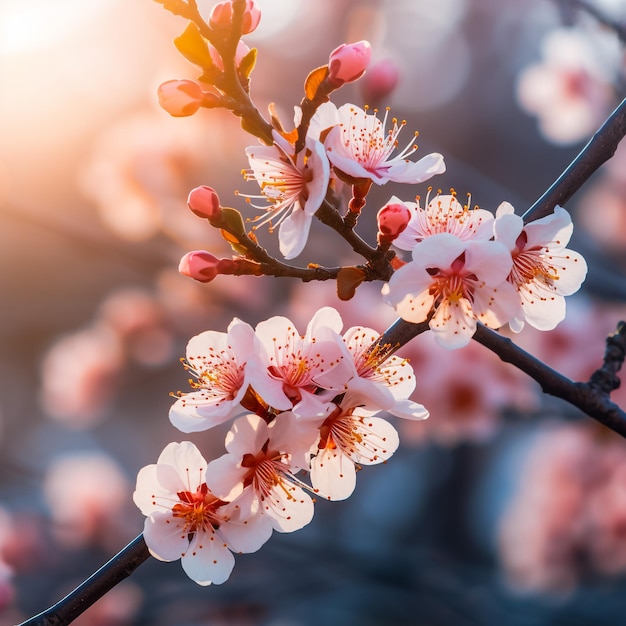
x=88, y=497
x=570, y=90
x=601, y=210
x=567, y=519
x=79, y=375
x=140, y=171
x=466, y=392
x=141, y=323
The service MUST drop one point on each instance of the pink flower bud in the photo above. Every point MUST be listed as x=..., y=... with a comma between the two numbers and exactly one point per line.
x=180, y=98
x=221, y=16
x=204, y=202
x=381, y=79
x=348, y=62
x=392, y=220
x=242, y=50
x=199, y=265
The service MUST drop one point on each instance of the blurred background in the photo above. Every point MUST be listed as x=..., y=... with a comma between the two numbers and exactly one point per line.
x=505, y=507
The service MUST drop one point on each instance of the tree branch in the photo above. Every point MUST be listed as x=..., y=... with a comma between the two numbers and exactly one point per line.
x=599, y=150
x=591, y=397
x=122, y=565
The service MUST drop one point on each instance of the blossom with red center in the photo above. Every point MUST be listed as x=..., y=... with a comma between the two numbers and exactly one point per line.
x=459, y=282
x=361, y=147
x=383, y=382
x=258, y=469
x=307, y=371
x=295, y=186
x=186, y=521
x=348, y=437
x=223, y=366
x=444, y=214
x=544, y=270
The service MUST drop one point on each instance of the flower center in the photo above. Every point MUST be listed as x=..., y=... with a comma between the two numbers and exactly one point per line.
x=198, y=509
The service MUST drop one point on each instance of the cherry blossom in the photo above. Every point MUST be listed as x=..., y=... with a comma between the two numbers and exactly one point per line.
x=306, y=371
x=544, y=270
x=223, y=366
x=294, y=185
x=258, y=466
x=349, y=436
x=460, y=282
x=383, y=382
x=444, y=214
x=186, y=521
x=360, y=146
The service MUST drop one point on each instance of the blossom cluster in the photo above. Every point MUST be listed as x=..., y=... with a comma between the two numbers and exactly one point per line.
x=469, y=266
x=304, y=405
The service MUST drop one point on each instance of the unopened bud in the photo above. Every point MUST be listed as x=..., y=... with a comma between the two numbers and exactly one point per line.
x=199, y=265
x=221, y=16
x=240, y=53
x=348, y=62
x=204, y=202
x=392, y=220
x=180, y=98
x=381, y=79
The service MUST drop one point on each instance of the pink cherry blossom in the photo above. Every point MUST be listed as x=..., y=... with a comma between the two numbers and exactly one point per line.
x=544, y=270
x=258, y=466
x=382, y=382
x=350, y=435
x=444, y=214
x=294, y=185
x=360, y=146
x=186, y=521
x=306, y=371
x=223, y=366
x=87, y=495
x=460, y=282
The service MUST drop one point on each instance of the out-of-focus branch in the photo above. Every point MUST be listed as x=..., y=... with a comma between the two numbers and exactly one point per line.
x=599, y=150
x=122, y=565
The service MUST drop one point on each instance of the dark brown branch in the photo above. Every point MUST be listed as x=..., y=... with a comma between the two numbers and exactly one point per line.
x=592, y=397
x=122, y=565
x=599, y=150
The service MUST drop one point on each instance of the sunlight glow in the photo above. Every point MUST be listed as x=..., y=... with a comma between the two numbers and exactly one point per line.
x=40, y=24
